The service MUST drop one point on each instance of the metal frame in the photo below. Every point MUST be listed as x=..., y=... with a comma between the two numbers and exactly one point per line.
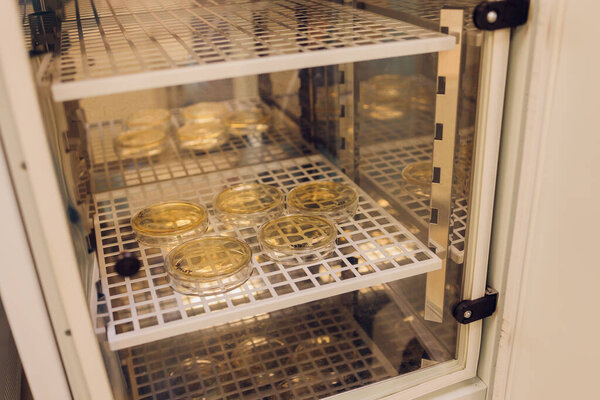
x=446, y=116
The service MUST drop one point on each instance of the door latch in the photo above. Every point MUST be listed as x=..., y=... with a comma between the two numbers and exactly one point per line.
x=468, y=311
x=492, y=15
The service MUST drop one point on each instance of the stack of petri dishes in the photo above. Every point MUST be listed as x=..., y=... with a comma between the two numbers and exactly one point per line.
x=146, y=134
x=203, y=127
x=248, y=121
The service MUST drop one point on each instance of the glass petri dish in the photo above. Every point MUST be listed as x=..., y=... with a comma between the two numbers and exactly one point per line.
x=198, y=369
x=418, y=176
x=386, y=96
x=251, y=352
x=248, y=121
x=297, y=239
x=209, y=265
x=156, y=118
x=249, y=204
x=298, y=386
x=140, y=143
x=169, y=224
x=333, y=200
x=201, y=136
x=207, y=111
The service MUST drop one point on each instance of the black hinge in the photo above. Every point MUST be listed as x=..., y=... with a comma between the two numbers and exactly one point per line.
x=468, y=311
x=492, y=15
x=44, y=27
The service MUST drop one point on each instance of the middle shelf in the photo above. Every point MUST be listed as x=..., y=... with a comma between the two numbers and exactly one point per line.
x=371, y=248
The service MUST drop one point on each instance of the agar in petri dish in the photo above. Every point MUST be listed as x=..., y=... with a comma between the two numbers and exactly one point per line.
x=248, y=121
x=203, y=112
x=201, y=136
x=156, y=118
x=333, y=200
x=386, y=96
x=250, y=354
x=169, y=224
x=249, y=204
x=209, y=265
x=297, y=239
x=419, y=175
x=140, y=143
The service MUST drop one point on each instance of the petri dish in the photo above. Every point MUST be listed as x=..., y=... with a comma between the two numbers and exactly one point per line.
x=169, y=224
x=297, y=239
x=140, y=143
x=209, y=265
x=201, y=136
x=249, y=204
x=418, y=176
x=333, y=200
x=248, y=121
x=156, y=118
x=251, y=352
x=207, y=111
x=199, y=369
x=298, y=386
x=386, y=96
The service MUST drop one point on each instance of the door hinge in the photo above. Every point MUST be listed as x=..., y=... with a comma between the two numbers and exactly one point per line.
x=492, y=15
x=468, y=311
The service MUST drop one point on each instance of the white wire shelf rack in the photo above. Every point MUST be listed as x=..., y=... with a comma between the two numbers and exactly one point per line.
x=109, y=171
x=339, y=356
x=114, y=46
x=372, y=248
x=382, y=165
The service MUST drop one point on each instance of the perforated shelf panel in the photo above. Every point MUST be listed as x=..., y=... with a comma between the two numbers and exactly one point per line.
x=347, y=361
x=114, y=46
x=382, y=165
x=109, y=171
x=371, y=248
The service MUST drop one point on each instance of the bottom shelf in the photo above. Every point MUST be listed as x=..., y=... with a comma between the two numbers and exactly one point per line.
x=316, y=350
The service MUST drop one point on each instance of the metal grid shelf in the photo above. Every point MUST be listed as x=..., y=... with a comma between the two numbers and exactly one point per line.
x=109, y=171
x=347, y=361
x=372, y=248
x=428, y=10
x=382, y=165
x=114, y=46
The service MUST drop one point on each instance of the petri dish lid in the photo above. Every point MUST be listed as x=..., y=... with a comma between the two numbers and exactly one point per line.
x=248, y=198
x=297, y=233
x=319, y=197
x=149, y=117
x=204, y=130
x=250, y=116
x=210, y=257
x=419, y=173
x=204, y=111
x=169, y=218
x=141, y=138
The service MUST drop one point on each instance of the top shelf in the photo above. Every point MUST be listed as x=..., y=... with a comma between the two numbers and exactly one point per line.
x=115, y=46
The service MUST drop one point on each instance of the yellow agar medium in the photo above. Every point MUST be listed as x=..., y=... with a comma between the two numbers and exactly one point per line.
x=210, y=257
x=419, y=173
x=249, y=198
x=316, y=197
x=297, y=233
x=204, y=112
x=170, y=218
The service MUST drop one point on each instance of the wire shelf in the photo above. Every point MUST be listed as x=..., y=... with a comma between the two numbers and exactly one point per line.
x=382, y=165
x=114, y=46
x=371, y=248
x=109, y=171
x=340, y=357
x=428, y=10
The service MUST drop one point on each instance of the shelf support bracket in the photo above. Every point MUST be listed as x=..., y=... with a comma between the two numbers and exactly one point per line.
x=444, y=142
